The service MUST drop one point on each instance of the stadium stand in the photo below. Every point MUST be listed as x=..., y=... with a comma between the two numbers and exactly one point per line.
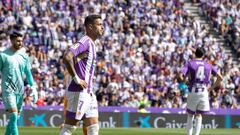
x=224, y=17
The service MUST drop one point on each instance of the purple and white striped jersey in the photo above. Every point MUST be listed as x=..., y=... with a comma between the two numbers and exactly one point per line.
x=200, y=72
x=84, y=62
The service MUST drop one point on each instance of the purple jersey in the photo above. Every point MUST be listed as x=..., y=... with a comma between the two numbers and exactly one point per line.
x=84, y=62
x=199, y=71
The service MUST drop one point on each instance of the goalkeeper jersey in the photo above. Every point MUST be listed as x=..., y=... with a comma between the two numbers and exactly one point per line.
x=14, y=66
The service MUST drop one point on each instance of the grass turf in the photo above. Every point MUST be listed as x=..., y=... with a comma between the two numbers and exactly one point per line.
x=124, y=131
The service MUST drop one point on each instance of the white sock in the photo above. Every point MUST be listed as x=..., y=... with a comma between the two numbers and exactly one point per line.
x=198, y=125
x=67, y=129
x=189, y=126
x=93, y=129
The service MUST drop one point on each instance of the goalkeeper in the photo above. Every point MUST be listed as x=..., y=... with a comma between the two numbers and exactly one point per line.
x=14, y=66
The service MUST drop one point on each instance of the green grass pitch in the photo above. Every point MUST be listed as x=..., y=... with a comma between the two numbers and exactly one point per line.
x=124, y=131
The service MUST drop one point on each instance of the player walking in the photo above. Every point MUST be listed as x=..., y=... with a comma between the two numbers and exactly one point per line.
x=14, y=63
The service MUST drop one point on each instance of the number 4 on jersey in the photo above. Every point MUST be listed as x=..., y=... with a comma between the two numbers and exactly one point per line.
x=200, y=73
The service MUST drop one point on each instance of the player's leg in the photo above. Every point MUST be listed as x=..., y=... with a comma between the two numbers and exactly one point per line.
x=69, y=126
x=91, y=117
x=91, y=125
x=74, y=113
x=198, y=124
x=9, y=101
x=189, y=126
x=70, y=123
x=191, y=109
x=84, y=129
x=19, y=99
x=12, y=128
x=64, y=110
x=202, y=108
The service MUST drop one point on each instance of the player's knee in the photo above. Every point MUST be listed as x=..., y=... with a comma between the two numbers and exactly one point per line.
x=67, y=129
x=11, y=110
x=93, y=129
x=71, y=121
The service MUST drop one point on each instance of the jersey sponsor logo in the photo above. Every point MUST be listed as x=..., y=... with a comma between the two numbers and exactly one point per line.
x=78, y=113
x=75, y=46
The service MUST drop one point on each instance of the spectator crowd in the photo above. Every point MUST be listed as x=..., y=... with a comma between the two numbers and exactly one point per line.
x=144, y=47
x=224, y=16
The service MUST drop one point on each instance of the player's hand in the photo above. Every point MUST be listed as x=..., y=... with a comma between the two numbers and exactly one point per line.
x=79, y=81
x=34, y=93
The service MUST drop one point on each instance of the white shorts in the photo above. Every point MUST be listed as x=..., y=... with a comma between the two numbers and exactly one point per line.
x=81, y=104
x=198, y=102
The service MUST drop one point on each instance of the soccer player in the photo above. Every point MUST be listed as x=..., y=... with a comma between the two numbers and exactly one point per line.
x=198, y=72
x=14, y=64
x=80, y=61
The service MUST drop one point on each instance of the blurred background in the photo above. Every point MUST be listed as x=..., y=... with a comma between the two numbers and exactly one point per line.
x=145, y=45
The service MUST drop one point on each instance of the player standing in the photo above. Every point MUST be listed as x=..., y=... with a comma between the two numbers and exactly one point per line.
x=14, y=63
x=80, y=61
x=198, y=72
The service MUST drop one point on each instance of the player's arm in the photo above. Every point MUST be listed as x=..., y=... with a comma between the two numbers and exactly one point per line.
x=184, y=74
x=31, y=81
x=1, y=63
x=218, y=81
x=68, y=61
x=28, y=73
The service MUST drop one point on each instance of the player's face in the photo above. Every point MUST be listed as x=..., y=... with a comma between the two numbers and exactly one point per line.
x=17, y=43
x=98, y=27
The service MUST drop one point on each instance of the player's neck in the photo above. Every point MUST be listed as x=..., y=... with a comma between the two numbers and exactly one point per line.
x=13, y=49
x=198, y=59
x=91, y=36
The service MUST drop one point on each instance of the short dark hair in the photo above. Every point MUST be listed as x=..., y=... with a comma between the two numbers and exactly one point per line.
x=15, y=32
x=200, y=51
x=90, y=19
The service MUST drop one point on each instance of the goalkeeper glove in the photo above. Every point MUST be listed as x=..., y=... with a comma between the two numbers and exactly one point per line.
x=34, y=93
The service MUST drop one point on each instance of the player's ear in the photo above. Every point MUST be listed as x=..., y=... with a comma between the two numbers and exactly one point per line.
x=90, y=26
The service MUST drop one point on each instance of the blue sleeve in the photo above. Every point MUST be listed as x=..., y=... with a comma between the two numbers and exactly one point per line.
x=28, y=73
x=1, y=62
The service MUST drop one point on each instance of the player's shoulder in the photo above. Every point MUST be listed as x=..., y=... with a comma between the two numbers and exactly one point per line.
x=190, y=62
x=200, y=61
x=84, y=40
x=207, y=63
x=23, y=53
x=6, y=51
